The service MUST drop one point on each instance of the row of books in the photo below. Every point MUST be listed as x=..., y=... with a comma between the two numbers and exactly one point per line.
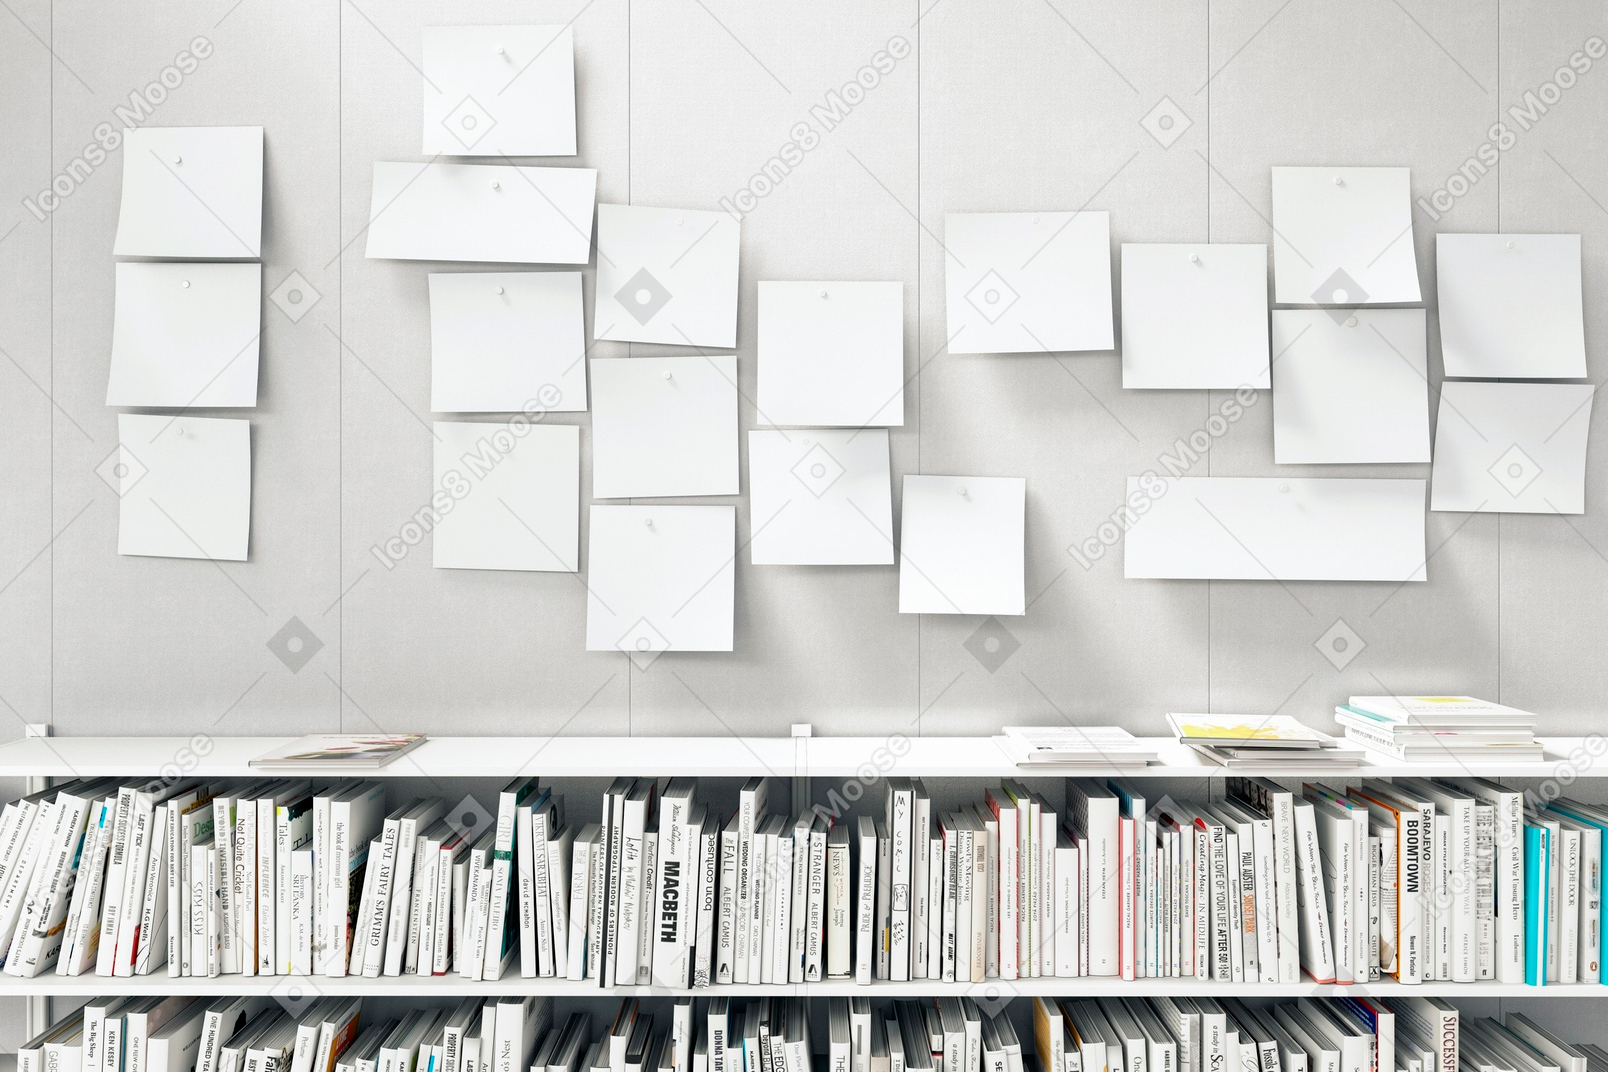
x=948, y=1034
x=1416, y=879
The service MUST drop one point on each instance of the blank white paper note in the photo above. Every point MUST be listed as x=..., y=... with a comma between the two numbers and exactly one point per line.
x=661, y=578
x=1276, y=528
x=1027, y=282
x=1511, y=448
x=515, y=498
x=184, y=485
x=481, y=212
x=1343, y=236
x=193, y=192
x=185, y=335
x=1194, y=317
x=1510, y=306
x=820, y=497
x=506, y=342
x=499, y=90
x=664, y=426
x=831, y=354
x=666, y=275
x=962, y=545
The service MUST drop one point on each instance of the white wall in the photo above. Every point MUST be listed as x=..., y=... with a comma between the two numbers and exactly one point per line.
x=1004, y=105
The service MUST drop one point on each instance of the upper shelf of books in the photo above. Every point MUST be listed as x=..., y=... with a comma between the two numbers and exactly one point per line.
x=868, y=758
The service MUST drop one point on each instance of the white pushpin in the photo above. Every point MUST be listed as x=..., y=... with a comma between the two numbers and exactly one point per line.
x=499, y=290
x=185, y=284
x=178, y=159
x=962, y=492
x=495, y=185
x=667, y=375
x=179, y=430
x=1284, y=487
x=680, y=221
x=648, y=521
x=1512, y=244
x=806, y=442
x=499, y=50
x=823, y=293
x=1035, y=219
x=1351, y=321
x=1338, y=181
x=1194, y=258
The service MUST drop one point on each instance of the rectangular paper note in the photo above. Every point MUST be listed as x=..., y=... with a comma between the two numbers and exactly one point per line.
x=664, y=426
x=481, y=212
x=1027, y=282
x=1276, y=528
x=184, y=485
x=191, y=192
x=1194, y=316
x=522, y=511
x=666, y=275
x=1510, y=306
x=1343, y=236
x=1349, y=386
x=185, y=334
x=660, y=578
x=499, y=91
x=831, y=354
x=962, y=545
x=1512, y=448
x=507, y=342
x=820, y=497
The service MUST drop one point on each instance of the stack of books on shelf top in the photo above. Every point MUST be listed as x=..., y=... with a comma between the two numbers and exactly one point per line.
x=1253, y=742
x=1430, y=728
x=1051, y=747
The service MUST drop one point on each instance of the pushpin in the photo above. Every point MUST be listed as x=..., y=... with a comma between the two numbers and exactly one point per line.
x=648, y=521
x=185, y=284
x=1284, y=487
x=1194, y=258
x=178, y=430
x=1511, y=245
x=667, y=374
x=499, y=50
x=495, y=185
x=1351, y=321
x=805, y=441
x=1035, y=219
x=499, y=290
x=963, y=492
x=680, y=221
x=178, y=159
x=1338, y=181
x=823, y=293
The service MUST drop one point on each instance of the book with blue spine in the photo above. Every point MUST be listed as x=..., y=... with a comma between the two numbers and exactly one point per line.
x=1537, y=860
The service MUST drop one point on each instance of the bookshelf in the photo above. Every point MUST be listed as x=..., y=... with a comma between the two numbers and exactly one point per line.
x=707, y=757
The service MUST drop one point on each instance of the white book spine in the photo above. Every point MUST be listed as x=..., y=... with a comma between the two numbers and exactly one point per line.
x=399, y=915
x=223, y=820
x=580, y=906
x=267, y=909
x=815, y=908
x=245, y=887
x=865, y=908
x=111, y=910
x=369, y=959
x=901, y=860
x=1066, y=911
x=1012, y=884
x=708, y=903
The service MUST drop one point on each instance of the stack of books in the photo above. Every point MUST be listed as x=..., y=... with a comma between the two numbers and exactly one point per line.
x=1262, y=742
x=1098, y=747
x=1430, y=728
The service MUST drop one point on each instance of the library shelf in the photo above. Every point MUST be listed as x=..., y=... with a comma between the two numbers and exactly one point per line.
x=866, y=758
x=298, y=987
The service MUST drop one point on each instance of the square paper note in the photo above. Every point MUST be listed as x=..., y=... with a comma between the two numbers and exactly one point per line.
x=503, y=342
x=664, y=426
x=1510, y=306
x=185, y=486
x=185, y=335
x=660, y=578
x=499, y=91
x=962, y=545
x=831, y=354
x=666, y=275
x=481, y=212
x=1343, y=236
x=820, y=498
x=522, y=511
x=1194, y=316
x=1352, y=392
x=1027, y=282
x=191, y=192
x=1511, y=448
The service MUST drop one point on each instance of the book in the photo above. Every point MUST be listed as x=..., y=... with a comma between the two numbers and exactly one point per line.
x=338, y=753
x=1073, y=746
x=1245, y=731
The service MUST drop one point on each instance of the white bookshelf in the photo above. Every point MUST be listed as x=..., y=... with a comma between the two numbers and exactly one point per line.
x=85, y=986
x=869, y=759
x=705, y=757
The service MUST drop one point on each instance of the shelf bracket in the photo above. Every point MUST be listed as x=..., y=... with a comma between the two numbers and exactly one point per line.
x=802, y=798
